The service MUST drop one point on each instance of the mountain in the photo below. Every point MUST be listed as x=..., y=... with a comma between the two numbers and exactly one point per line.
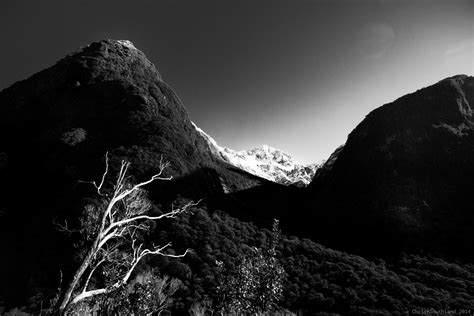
x=405, y=177
x=57, y=125
x=105, y=97
x=266, y=162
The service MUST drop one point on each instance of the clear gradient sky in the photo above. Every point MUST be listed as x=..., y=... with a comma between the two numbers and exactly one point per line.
x=298, y=75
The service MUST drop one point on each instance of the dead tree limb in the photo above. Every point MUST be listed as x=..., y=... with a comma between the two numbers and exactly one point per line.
x=117, y=222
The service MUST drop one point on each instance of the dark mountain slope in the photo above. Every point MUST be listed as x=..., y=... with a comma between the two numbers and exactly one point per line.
x=107, y=96
x=405, y=178
x=55, y=128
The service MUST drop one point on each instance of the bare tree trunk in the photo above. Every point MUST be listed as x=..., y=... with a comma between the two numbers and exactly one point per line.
x=114, y=225
x=77, y=277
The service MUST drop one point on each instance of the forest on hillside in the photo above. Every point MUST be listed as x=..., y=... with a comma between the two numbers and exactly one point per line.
x=316, y=279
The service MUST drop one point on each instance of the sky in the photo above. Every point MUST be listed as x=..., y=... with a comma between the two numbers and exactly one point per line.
x=298, y=75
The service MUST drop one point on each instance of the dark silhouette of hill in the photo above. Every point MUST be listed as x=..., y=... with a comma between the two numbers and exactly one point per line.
x=405, y=178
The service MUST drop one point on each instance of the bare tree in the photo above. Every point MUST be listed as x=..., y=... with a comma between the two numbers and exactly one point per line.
x=113, y=229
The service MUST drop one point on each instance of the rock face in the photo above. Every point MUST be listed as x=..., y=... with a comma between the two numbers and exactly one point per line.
x=265, y=162
x=405, y=177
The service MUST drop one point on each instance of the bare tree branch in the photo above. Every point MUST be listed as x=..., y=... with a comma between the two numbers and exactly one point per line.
x=171, y=214
x=118, y=225
x=65, y=228
x=105, y=173
x=99, y=187
x=86, y=284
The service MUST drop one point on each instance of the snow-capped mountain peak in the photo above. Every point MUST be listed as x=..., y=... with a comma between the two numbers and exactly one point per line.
x=265, y=161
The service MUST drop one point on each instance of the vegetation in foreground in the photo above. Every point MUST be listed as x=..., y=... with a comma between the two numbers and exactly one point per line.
x=234, y=266
x=316, y=279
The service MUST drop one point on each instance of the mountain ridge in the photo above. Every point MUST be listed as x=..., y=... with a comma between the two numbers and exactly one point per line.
x=110, y=81
x=57, y=125
x=405, y=175
x=265, y=161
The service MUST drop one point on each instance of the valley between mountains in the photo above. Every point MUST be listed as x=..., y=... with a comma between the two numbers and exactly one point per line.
x=383, y=226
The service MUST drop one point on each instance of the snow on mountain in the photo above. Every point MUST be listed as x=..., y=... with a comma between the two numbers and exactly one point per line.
x=266, y=162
